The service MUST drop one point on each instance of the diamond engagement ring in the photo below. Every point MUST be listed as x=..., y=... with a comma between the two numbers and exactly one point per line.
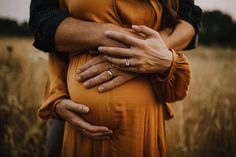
x=127, y=62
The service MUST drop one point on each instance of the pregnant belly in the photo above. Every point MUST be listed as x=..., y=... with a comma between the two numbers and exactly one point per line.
x=110, y=107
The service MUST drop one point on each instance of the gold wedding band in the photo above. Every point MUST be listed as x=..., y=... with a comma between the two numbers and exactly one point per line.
x=110, y=73
x=127, y=62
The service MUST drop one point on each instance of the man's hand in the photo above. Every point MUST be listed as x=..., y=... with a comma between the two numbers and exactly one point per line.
x=98, y=71
x=69, y=111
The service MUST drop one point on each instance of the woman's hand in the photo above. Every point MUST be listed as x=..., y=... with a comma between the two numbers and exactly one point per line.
x=69, y=111
x=97, y=71
x=149, y=55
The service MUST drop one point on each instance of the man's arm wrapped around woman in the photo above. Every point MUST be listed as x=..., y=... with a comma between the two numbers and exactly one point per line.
x=46, y=16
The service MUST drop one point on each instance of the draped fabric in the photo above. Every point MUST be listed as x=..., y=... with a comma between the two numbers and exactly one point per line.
x=133, y=110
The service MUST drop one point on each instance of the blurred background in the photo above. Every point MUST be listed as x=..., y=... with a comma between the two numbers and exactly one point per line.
x=204, y=123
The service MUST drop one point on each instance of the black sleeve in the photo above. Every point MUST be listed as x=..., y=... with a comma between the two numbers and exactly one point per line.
x=45, y=16
x=191, y=13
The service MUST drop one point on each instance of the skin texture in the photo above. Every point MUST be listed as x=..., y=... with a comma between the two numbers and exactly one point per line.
x=149, y=55
x=74, y=36
x=94, y=72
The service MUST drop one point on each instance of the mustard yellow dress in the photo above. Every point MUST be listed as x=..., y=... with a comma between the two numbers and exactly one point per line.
x=131, y=110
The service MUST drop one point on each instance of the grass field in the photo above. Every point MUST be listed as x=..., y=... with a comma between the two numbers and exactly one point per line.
x=204, y=123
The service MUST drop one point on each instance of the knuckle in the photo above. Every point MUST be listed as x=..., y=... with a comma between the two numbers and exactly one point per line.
x=81, y=69
x=90, y=62
x=142, y=27
x=66, y=104
x=61, y=104
x=107, y=64
x=94, y=71
x=142, y=45
x=104, y=77
x=123, y=37
x=116, y=82
x=97, y=80
x=139, y=63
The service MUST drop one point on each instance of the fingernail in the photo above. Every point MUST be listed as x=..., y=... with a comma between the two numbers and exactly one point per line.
x=86, y=84
x=101, y=88
x=85, y=109
x=110, y=132
x=106, y=129
x=134, y=26
x=79, y=78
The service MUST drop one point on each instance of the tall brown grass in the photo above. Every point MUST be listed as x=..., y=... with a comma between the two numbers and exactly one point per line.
x=22, y=75
x=204, y=123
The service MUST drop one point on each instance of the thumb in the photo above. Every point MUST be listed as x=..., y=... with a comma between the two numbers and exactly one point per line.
x=75, y=107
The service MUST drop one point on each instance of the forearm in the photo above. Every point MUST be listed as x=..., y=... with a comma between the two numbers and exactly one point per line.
x=74, y=35
x=180, y=38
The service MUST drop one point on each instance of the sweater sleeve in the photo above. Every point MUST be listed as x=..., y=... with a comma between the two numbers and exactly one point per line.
x=45, y=16
x=174, y=85
x=56, y=86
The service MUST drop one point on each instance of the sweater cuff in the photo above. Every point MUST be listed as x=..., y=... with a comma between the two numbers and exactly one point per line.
x=47, y=110
x=54, y=113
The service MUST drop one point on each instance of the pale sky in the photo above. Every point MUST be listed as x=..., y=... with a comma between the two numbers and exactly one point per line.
x=19, y=9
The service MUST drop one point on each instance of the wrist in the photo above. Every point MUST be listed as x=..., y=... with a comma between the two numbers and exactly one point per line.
x=168, y=61
x=166, y=73
x=102, y=37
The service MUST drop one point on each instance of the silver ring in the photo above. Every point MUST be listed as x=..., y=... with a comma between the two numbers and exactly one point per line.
x=110, y=73
x=127, y=62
